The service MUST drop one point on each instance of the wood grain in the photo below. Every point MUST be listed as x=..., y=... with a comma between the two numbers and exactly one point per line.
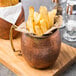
x=18, y=65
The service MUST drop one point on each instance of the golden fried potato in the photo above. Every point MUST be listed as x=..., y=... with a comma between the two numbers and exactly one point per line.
x=30, y=25
x=31, y=13
x=5, y=3
x=43, y=25
x=30, y=21
x=37, y=17
x=14, y=2
x=44, y=14
x=51, y=16
x=43, y=11
x=38, y=30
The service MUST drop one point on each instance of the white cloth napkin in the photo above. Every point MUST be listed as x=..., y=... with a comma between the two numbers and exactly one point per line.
x=11, y=13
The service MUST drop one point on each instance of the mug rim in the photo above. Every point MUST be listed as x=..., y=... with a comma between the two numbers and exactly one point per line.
x=43, y=37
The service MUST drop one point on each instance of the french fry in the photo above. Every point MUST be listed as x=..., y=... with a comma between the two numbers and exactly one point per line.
x=30, y=21
x=43, y=25
x=38, y=30
x=31, y=13
x=37, y=17
x=30, y=25
x=14, y=2
x=4, y=3
x=44, y=14
x=52, y=15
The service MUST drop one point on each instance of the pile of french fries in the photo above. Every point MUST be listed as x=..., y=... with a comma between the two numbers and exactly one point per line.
x=4, y=3
x=14, y=2
x=39, y=22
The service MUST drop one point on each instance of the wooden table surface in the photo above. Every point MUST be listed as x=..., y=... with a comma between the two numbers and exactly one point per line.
x=18, y=65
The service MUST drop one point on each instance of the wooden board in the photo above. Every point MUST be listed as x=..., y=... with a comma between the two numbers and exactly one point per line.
x=18, y=65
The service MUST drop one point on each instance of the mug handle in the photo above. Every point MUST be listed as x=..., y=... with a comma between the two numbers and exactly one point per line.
x=13, y=27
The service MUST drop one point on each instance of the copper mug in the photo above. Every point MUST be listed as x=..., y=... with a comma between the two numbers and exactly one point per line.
x=5, y=26
x=40, y=52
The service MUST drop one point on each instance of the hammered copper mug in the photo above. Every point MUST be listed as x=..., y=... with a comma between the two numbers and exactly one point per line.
x=40, y=52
